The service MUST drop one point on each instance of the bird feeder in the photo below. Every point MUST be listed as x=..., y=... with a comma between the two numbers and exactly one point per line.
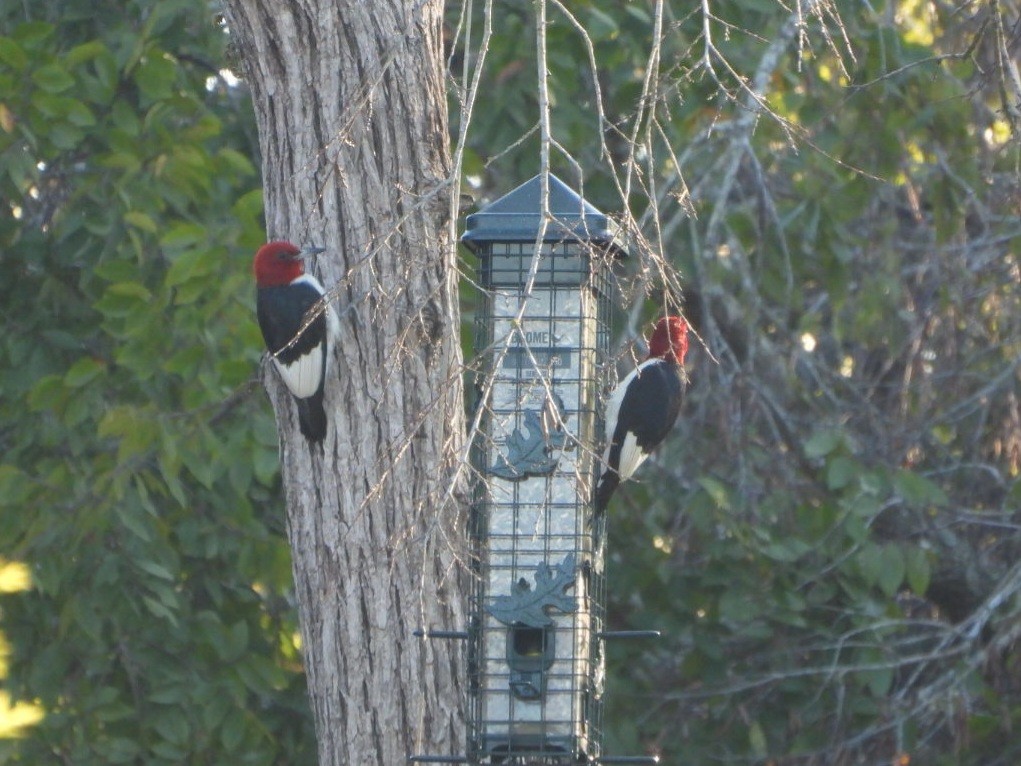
x=542, y=337
x=535, y=632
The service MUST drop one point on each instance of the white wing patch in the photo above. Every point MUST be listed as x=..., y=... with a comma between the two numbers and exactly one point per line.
x=303, y=376
x=631, y=456
x=613, y=408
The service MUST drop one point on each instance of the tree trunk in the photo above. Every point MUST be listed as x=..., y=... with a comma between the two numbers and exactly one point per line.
x=349, y=97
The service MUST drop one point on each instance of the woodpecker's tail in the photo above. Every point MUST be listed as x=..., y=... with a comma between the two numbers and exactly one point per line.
x=312, y=417
x=604, y=489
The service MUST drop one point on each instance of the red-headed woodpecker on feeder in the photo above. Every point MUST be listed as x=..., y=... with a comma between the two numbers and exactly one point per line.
x=284, y=298
x=644, y=407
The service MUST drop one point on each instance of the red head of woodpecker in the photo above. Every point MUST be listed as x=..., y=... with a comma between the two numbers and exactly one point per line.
x=644, y=407
x=284, y=297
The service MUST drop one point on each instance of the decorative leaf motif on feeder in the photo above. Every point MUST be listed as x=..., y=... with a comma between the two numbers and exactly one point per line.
x=529, y=607
x=531, y=455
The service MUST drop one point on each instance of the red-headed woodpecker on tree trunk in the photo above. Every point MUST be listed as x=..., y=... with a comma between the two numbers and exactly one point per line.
x=644, y=407
x=284, y=299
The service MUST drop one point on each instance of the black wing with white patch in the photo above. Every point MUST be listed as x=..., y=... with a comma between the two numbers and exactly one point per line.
x=641, y=412
x=281, y=311
x=650, y=405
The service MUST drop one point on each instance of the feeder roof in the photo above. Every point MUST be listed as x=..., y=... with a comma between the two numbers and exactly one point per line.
x=517, y=217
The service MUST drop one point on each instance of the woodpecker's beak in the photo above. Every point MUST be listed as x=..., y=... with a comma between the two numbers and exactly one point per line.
x=311, y=252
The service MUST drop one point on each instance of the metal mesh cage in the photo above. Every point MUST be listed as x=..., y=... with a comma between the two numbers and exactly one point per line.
x=535, y=662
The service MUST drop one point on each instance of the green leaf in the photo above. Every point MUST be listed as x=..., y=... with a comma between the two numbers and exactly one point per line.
x=878, y=681
x=107, y=77
x=870, y=563
x=155, y=75
x=266, y=464
x=737, y=607
x=124, y=298
x=170, y=468
x=173, y=727
x=156, y=570
x=136, y=521
x=51, y=105
x=716, y=490
x=892, y=569
x=172, y=695
x=84, y=52
x=120, y=750
x=788, y=550
x=757, y=740
x=65, y=136
x=83, y=371
x=237, y=640
x=918, y=570
x=237, y=162
x=188, y=265
x=864, y=505
x=198, y=464
x=47, y=394
x=31, y=33
x=215, y=711
x=141, y=221
x=841, y=471
x=601, y=25
x=62, y=339
x=822, y=443
x=125, y=118
x=183, y=235
x=249, y=205
x=14, y=485
x=943, y=433
x=157, y=609
x=79, y=114
x=917, y=490
x=233, y=731
x=12, y=54
x=52, y=78
x=170, y=752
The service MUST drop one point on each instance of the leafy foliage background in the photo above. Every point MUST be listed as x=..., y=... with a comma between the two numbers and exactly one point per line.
x=138, y=479
x=829, y=541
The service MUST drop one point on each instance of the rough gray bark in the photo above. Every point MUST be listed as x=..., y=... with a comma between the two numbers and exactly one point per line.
x=349, y=98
